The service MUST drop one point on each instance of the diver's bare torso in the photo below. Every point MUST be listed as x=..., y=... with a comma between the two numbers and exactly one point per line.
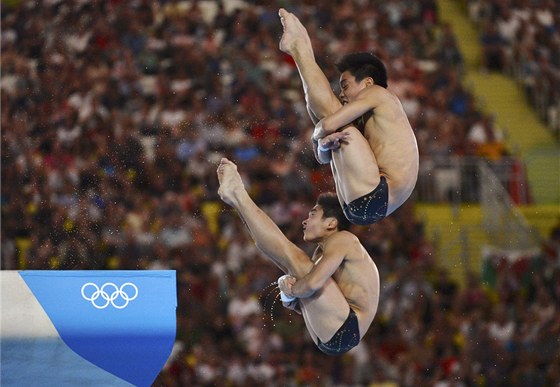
x=393, y=143
x=358, y=279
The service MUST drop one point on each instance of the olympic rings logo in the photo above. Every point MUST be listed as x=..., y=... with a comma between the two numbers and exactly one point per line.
x=109, y=293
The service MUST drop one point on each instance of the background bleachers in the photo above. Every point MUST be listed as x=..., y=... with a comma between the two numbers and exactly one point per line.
x=116, y=113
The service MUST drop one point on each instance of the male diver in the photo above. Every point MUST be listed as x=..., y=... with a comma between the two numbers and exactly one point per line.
x=364, y=133
x=337, y=289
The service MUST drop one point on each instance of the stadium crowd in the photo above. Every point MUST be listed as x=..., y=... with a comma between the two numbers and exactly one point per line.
x=521, y=38
x=114, y=117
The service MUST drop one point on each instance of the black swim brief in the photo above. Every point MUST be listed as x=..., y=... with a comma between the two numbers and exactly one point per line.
x=346, y=338
x=371, y=207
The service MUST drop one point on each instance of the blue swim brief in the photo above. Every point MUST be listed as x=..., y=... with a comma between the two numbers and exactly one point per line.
x=371, y=207
x=346, y=338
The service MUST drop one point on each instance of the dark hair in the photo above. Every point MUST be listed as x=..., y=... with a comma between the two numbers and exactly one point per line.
x=362, y=65
x=331, y=209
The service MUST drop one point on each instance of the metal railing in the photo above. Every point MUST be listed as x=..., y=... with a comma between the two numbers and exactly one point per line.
x=497, y=187
x=505, y=226
x=457, y=180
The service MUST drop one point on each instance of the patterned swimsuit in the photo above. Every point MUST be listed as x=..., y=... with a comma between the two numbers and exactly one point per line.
x=346, y=338
x=369, y=208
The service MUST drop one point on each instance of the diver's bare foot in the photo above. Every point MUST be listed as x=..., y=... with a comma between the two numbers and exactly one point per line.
x=295, y=37
x=230, y=181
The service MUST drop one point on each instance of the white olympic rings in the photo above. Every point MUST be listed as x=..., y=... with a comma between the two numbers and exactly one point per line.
x=111, y=296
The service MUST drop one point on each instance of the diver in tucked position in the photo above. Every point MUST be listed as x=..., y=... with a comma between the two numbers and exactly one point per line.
x=363, y=133
x=337, y=289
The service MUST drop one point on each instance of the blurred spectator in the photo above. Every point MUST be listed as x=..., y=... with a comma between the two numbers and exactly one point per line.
x=493, y=48
x=487, y=139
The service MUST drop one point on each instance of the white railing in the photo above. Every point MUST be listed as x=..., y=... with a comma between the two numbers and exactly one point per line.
x=496, y=187
x=458, y=179
x=506, y=227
